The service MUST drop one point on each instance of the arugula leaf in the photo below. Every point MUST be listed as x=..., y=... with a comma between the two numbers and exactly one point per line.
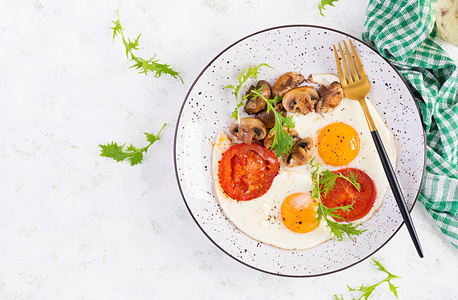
x=242, y=78
x=282, y=142
x=323, y=182
x=323, y=3
x=367, y=290
x=134, y=155
x=151, y=64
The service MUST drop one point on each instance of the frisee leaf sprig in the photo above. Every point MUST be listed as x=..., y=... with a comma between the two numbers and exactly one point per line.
x=144, y=66
x=282, y=142
x=134, y=155
x=323, y=3
x=367, y=290
x=242, y=78
x=322, y=179
x=328, y=180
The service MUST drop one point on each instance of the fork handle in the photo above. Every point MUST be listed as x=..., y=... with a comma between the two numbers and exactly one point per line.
x=394, y=184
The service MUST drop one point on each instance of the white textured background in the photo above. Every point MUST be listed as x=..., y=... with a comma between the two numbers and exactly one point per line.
x=74, y=225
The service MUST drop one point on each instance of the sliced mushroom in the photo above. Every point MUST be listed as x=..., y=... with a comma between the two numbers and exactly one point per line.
x=253, y=104
x=286, y=82
x=250, y=103
x=248, y=129
x=301, y=153
x=268, y=118
x=301, y=99
x=266, y=89
x=330, y=98
x=321, y=90
x=256, y=104
x=270, y=136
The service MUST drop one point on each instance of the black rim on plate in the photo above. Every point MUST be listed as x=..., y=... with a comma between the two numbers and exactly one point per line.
x=178, y=123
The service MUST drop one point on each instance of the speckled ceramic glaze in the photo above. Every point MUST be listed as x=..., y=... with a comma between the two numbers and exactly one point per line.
x=207, y=110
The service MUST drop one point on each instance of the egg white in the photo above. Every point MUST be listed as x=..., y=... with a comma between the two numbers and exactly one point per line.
x=260, y=218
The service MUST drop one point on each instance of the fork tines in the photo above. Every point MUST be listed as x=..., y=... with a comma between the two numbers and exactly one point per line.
x=356, y=73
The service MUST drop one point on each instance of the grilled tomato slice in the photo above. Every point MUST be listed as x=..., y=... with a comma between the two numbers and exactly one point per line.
x=344, y=193
x=246, y=171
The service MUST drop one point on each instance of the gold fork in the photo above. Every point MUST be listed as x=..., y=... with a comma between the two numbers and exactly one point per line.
x=356, y=86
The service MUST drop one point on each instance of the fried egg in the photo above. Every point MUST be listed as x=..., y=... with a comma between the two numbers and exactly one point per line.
x=285, y=216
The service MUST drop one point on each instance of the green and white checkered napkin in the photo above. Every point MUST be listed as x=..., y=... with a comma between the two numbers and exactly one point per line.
x=404, y=33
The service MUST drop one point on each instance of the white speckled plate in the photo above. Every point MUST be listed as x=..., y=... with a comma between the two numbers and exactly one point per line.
x=207, y=110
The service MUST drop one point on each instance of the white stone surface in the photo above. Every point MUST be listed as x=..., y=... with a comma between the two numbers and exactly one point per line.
x=74, y=225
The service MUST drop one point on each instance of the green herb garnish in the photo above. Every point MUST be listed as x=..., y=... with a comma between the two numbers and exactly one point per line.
x=367, y=290
x=242, y=78
x=145, y=66
x=134, y=155
x=328, y=179
x=323, y=3
x=323, y=183
x=282, y=142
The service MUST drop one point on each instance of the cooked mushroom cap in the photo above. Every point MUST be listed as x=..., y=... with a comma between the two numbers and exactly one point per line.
x=270, y=136
x=330, y=98
x=254, y=104
x=301, y=153
x=321, y=90
x=266, y=89
x=286, y=82
x=301, y=99
x=249, y=129
x=268, y=118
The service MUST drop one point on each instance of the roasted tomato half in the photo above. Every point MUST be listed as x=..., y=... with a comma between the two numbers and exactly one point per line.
x=246, y=171
x=344, y=193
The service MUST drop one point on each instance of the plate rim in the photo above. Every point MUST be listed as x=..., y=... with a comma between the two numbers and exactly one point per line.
x=210, y=63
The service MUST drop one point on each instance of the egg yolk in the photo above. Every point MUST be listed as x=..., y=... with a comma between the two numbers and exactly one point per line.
x=298, y=212
x=338, y=144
